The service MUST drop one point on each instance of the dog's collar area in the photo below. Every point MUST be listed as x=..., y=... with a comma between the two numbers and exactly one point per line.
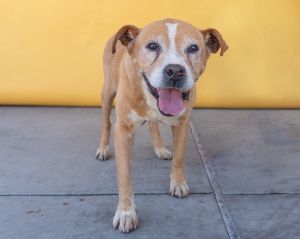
x=153, y=91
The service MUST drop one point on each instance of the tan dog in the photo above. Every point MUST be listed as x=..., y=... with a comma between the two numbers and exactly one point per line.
x=152, y=72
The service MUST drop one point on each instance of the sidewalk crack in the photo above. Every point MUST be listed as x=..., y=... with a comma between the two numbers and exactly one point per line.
x=231, y=229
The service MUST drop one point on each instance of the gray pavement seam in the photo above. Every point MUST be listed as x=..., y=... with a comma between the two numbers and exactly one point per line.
x=138, y=194
x=227, y=219
x=261, y=194
x=88, y=194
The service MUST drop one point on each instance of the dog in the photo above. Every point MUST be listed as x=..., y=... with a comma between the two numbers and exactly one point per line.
x=151, y=73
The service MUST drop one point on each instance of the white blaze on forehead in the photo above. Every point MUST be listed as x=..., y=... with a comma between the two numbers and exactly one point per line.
x=172, y=56
x=172, y=29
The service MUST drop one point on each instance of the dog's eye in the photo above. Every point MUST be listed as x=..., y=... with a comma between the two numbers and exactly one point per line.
x=192, y=49
x=153, y=46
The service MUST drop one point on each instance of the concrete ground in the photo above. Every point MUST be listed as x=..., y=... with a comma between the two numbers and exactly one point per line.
x=243, y=169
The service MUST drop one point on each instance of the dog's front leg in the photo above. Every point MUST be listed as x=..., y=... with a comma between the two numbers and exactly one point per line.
x=125, y=218
x=178, y=184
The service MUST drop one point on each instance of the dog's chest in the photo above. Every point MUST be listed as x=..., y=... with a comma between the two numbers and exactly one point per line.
x=152, y=115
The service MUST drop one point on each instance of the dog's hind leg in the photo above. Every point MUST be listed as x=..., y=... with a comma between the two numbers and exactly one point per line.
x=103, y=151
x=108, y=94
x=159, y=146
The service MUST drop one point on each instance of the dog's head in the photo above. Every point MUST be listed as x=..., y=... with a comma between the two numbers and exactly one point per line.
x=170, y=55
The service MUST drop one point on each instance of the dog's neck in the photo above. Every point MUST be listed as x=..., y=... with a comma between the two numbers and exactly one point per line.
x=132, y=82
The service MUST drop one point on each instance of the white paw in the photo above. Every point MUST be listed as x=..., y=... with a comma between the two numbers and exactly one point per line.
x=179, y=190
x=103, y=154
x=163, y=153
x=125, y=220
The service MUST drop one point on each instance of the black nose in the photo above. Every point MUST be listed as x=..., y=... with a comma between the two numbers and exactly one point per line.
x=174, y=72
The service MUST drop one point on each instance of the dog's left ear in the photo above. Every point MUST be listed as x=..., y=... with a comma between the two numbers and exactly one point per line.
x=214, y=41
x=126, y=35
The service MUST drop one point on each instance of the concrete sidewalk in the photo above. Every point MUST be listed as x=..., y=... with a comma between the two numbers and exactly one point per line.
x=243, y=169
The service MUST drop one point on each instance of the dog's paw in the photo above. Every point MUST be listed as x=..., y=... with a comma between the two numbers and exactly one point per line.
x=103, y=153
x=179, y=190
x=125, y=220
x=163, y=153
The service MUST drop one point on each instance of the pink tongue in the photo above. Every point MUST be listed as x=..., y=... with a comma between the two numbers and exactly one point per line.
x=170, y=101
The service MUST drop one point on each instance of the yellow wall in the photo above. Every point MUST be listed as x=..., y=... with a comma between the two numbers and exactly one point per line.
x=50, y=50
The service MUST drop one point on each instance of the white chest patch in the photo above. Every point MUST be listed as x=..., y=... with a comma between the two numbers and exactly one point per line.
x=136, y=119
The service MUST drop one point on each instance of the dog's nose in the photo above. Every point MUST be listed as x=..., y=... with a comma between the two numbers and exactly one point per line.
x=174, y=72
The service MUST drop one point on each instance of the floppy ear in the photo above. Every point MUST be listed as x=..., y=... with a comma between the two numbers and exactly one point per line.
x=214, y=41
x=126, y=35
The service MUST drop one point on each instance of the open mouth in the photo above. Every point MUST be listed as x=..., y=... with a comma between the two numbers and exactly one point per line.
x=169, y=100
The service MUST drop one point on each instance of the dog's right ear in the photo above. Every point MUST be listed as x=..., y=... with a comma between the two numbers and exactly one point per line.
x=126, y=35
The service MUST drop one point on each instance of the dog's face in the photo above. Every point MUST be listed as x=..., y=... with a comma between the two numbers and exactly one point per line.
x=170, y=56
